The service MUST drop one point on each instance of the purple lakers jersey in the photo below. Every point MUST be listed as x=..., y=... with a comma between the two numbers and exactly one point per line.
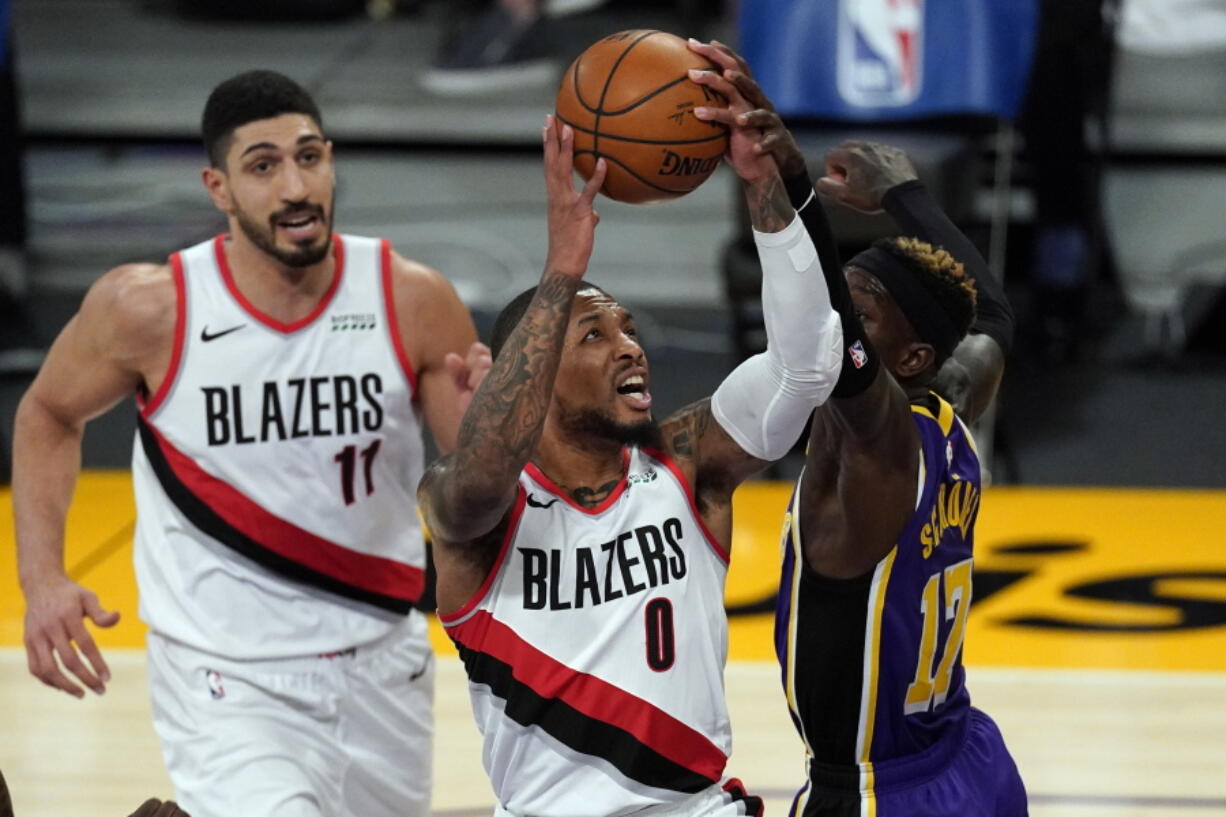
x=872, y=667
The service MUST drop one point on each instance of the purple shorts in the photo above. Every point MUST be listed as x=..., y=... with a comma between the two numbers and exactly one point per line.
x=968, y=773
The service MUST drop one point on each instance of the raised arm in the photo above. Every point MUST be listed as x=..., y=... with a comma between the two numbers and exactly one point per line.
x=870, y=177
x=762, y=407
x=122, y=334
x=466, y=494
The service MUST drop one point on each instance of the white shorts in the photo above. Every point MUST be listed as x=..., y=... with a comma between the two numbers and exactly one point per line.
x=347, y=734
x=728, y=799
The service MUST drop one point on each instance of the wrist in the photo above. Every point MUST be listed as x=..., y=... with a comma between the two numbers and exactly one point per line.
x=900, y=189
x=35, y=576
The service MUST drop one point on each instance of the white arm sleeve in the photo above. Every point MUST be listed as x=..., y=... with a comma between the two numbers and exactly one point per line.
x=765, y=402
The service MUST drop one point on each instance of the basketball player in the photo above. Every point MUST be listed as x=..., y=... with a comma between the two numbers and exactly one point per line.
x=582, y=549
x=878, y=538
x=283, y=374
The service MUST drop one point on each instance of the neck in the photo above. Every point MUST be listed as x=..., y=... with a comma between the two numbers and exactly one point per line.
x=917, y=388
x=281, y=291
x=587, y=470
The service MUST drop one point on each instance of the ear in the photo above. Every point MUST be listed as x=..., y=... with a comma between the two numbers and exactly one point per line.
x=914, y=359
x=218, y=186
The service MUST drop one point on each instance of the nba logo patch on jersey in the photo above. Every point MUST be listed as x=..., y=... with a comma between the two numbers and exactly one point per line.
x=858, y=356
x=879, y=51
x=214, y=681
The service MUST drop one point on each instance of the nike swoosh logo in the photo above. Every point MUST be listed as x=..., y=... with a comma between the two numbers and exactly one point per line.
x=206, y=337
x=536, y=503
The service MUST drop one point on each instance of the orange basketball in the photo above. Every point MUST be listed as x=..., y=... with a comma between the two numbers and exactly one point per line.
x=629, y=99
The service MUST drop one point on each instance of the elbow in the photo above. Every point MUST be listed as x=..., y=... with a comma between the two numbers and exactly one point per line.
x=457, y=509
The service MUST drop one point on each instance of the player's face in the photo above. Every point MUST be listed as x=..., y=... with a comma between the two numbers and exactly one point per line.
x=887, y=328
x=602, y=382
x=280, y=183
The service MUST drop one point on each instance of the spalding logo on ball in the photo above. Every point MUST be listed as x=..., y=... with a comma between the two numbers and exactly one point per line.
x=630, y=100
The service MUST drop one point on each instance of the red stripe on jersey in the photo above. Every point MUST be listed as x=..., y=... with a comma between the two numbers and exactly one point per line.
x=375, y=574
x=591, y=696
x=667, y=462
x=557, y=490
x=393, y=326
x=338, y=252
x=517, y=512
x=176, y=354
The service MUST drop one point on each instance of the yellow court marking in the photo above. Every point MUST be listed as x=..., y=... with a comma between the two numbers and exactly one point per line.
x=1093, y=579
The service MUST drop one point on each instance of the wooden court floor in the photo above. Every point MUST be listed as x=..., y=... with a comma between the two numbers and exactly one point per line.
x=1097, y=641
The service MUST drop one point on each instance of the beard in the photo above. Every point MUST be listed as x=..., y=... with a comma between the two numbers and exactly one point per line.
x=266, y=239
x=592, y=423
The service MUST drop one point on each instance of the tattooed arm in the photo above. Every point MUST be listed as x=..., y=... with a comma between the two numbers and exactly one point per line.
x=465, y=495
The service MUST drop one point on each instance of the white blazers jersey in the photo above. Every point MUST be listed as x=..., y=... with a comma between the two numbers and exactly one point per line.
x=595, y=649
x=276, y=468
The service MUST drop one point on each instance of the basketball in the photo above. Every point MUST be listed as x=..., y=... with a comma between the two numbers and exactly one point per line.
x=630, y=100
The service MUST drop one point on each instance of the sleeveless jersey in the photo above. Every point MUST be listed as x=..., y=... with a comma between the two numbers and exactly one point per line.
x=276, y=467
x=872, y=667
x=595, y=649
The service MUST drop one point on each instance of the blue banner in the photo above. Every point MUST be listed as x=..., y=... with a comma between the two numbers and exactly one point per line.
x=890, y=60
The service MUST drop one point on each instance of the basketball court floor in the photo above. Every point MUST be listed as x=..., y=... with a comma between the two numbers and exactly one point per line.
x=1097, y=640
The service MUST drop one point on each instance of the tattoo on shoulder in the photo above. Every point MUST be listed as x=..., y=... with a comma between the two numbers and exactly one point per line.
x=687, y=426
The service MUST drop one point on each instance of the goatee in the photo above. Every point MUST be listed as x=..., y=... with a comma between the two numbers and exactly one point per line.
x=644, y=433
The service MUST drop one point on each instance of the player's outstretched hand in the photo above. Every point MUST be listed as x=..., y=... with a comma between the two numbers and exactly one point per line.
x=859, y=174
x=774, y=137
x=467, y=372
x=55, y=629
x=746, y=154
x=572, y=214
x=156, y=808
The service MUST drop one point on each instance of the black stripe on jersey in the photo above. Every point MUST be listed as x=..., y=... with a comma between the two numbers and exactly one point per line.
x=580, y=732
x=206, y=519
x=829, y=664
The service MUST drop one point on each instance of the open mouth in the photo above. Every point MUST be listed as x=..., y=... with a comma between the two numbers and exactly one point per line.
x=301, y=226
x=633, y=391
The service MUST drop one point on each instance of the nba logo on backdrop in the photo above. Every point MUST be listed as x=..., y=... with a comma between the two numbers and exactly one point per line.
x=880, y=51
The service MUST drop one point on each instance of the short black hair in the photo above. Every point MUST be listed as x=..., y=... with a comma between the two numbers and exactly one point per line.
x=248, y=97
x=511, y=314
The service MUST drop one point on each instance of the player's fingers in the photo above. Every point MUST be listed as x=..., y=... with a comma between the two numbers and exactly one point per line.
x=738, y=62
x=839, y=157
x=715, y=82
x=722, y=115
x=772, y=141
x=72, y=662
x=85, y=642
x=595, y=182
x=99, y=615
x=748, y=87
x=148, y=808
x=829, y=187
x=550, y=137
x=44, y=667
x=715, y=55
x=760, y=118
x=477, y=353
x=454, y=364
